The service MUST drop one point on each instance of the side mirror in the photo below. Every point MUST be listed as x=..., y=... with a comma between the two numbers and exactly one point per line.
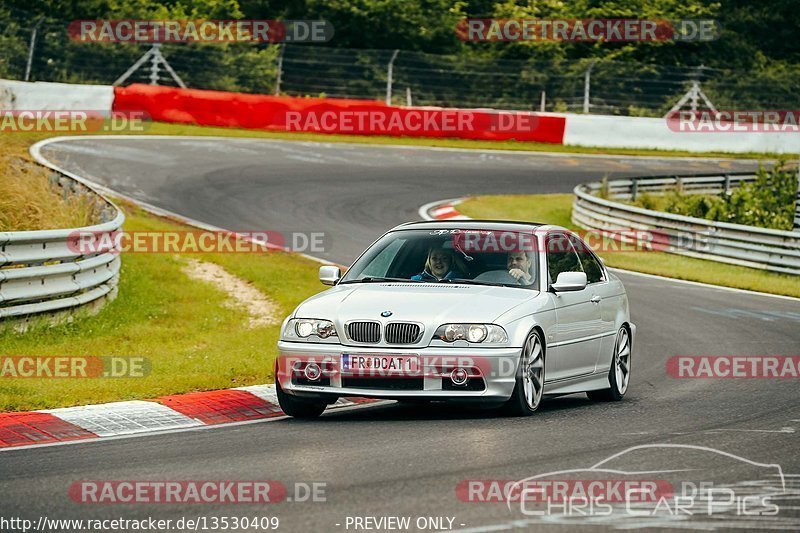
x=570, y=281
x=330, y=275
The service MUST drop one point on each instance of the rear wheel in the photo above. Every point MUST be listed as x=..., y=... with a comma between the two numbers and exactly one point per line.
x=529, y=386
x=619, y=375
x=299, y=407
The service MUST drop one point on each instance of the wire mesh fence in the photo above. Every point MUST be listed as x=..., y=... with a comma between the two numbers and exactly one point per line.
x=468, y=80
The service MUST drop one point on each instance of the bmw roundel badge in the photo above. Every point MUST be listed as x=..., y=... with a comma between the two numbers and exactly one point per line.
x=386, y=313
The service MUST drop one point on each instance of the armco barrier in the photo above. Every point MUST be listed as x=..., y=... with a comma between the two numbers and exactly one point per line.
x=768, y=249
x=40, y=272
x=254, y=111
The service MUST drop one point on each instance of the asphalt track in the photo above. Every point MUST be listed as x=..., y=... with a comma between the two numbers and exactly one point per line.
x=407, y=461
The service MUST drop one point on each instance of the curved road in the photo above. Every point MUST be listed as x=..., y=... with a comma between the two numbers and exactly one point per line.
x=404, y=461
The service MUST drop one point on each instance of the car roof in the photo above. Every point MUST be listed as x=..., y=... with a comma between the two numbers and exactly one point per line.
x=500, y=225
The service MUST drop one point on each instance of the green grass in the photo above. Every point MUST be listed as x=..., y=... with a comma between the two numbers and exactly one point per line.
x=557, y=209
x=192, y=341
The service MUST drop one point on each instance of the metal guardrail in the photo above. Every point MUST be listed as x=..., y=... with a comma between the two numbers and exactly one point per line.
x=737, y=244
x=44, y=271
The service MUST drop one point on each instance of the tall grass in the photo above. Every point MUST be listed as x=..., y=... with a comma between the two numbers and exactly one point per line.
x=28, y=201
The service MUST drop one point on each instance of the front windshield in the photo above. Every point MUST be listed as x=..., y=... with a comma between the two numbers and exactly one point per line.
x=479, y=257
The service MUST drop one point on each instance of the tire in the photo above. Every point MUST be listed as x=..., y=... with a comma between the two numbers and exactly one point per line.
x=299, y=407
x=529, y=386
x=619, y=375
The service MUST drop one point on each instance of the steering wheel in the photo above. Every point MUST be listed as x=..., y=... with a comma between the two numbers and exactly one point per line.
x=497, y=276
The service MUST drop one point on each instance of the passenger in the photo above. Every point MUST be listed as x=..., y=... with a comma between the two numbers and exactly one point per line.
x=519, y=267
x=439, y=265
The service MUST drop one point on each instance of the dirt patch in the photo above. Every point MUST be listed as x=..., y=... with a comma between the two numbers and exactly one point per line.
x=241, y=294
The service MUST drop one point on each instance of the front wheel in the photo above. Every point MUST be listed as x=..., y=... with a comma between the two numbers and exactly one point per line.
x=619, y=375
x=529, y=386
x=298, y=407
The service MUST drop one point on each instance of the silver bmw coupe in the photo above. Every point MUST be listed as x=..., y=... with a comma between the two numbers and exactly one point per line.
x=491, y=312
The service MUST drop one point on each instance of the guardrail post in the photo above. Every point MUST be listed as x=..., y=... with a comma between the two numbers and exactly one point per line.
x=727, y=187
x=797, y=204
x=678, y=184
x=634, y=189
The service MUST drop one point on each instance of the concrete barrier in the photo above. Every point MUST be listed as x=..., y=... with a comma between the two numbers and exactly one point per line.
x=21, y=95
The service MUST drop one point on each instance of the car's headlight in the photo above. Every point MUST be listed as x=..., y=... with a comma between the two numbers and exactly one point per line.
x=474, y=333
x=307, y=328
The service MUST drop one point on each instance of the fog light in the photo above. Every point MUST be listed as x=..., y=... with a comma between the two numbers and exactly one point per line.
x=312, y=372
x=459, y=376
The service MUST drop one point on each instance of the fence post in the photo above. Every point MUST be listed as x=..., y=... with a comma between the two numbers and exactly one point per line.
x=280, y=71
x=634, y=189
x=31, y=46
x=408, y=97
x=587, y=83
x=727, y=187
x=542, y=102
x=389, y=78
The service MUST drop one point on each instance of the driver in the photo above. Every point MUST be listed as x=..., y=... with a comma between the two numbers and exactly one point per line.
x=519, y=267
x=439, y=265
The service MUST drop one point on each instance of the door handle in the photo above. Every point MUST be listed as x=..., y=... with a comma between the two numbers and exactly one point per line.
x=595, y=299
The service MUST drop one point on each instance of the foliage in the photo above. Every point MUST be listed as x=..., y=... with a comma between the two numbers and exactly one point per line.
x=753, y=64
x=767, y=202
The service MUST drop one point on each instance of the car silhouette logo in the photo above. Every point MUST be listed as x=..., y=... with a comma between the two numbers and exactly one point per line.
x=386, y=313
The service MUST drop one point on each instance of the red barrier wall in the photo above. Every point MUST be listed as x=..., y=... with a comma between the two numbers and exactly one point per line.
x=333, y=115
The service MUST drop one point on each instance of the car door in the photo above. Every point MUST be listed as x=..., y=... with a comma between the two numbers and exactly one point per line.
x=605, y=295
x=578, y=322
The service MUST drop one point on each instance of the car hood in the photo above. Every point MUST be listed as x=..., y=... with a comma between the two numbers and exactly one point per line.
x=418, y=302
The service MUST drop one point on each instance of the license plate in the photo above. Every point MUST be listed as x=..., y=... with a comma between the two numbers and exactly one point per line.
x=368, y=363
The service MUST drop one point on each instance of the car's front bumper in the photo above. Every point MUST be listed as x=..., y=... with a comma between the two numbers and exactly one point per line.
x=492, y=372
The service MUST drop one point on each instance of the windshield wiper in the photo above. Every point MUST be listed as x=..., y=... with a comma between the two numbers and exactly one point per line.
x=374, y=279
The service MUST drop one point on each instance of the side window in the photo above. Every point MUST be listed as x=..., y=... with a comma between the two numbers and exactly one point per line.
x=561, y=256
x=591, y=265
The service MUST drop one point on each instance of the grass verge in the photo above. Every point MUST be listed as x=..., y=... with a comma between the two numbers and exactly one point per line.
x=557, y=209
x=192, y=341
x=28, y=202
